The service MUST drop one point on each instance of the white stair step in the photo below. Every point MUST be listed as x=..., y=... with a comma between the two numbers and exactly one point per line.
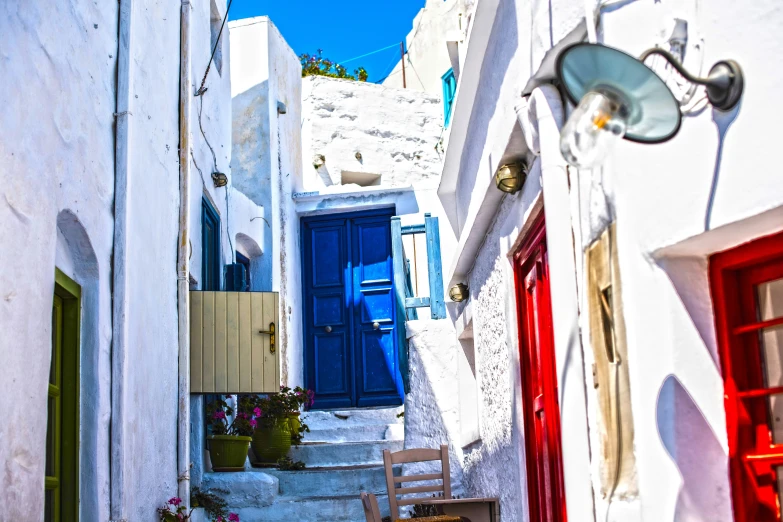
x=317, y=454
x=359, y=433
x=331, y=482
x=350, y=418
x=338, y=509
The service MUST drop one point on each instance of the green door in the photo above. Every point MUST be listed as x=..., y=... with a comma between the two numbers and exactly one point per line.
x=61, y=483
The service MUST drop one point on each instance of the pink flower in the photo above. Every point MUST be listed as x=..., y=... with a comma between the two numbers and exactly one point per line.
x=253, y=423
x=233, y=517
x=175, y=501
x=219, y=415
x=257, y=411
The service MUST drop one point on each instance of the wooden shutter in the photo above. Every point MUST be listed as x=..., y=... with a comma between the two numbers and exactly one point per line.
x=231, y=347
x=610, y=367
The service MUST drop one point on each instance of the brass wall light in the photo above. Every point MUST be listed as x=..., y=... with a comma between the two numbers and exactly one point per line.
x=459, y=292
x=617, y=96
x=510, y=177
x=219, y=179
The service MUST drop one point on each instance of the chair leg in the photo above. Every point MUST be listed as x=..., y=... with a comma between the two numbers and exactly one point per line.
x=372, y=512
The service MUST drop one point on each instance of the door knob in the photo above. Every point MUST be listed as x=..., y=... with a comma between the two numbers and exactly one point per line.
x=376, y=325
x=328, y=329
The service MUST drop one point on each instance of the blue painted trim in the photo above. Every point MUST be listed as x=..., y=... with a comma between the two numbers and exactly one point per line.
x=417, y=302
x=398, y=260
x=449, y=92
x=210, y=215
x=437, y=302
x=412, y=229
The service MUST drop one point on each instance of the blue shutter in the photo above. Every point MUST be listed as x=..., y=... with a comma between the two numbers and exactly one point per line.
x=449, y=91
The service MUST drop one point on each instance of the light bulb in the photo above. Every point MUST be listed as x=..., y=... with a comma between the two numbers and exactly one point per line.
x=593, y=130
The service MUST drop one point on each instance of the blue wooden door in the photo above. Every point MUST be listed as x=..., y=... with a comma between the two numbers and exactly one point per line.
x=351, y=357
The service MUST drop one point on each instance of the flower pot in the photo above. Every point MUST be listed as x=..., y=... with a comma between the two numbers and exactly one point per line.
x=228, y=452
x=272, y=441
x=294, y=422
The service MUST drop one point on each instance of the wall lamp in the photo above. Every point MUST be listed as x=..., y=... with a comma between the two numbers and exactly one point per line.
x=219, y=179
x=510, y=178
x=617, y=96
x=459, y=292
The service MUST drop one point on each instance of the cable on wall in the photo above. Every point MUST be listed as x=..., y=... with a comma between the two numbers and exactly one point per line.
x=201, y=90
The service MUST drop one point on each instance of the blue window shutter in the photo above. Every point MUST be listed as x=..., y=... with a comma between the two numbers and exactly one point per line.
x=210, y=247
x=449, y=90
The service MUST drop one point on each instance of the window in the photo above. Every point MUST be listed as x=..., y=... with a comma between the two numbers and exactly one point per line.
x=747, y=292
x=244, y=261
x=210, y=247
x=61, y=483
x=449, y=90
x=215, y=21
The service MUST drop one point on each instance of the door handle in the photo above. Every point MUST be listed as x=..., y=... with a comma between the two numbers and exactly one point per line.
x=376, y=325
x=271, y=333
x=328, y=329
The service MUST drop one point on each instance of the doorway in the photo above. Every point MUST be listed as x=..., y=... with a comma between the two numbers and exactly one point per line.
x=350, y=324
x=543, y=453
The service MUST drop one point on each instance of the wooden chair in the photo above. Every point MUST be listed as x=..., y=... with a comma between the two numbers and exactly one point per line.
x=371, y=511
x=417, y=455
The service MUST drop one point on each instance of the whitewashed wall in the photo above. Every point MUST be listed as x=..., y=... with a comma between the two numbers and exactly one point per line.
x=428, y=58
x=58, y=178
x=712, y=187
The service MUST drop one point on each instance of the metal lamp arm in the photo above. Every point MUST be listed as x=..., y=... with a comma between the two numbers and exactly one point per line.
x=724, y=83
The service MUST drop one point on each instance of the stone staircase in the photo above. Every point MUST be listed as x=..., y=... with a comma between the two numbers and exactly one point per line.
x=344, y=456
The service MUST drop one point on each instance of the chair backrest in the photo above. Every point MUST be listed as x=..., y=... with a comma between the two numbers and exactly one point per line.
x=416, y=455
x=371, y=511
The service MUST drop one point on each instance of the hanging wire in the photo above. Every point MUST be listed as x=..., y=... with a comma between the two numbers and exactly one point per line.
x=367, y=54
x=201, y=88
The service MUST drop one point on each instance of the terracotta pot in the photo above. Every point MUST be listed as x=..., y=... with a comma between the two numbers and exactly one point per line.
x=228, y=452
x=272, y=441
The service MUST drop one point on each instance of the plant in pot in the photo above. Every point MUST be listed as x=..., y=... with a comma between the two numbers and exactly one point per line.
x=272, y=436
x=229, y=442
x=297, y=399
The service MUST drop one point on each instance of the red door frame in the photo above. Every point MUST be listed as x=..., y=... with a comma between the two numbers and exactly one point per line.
x=543, y=452
x=734, y=274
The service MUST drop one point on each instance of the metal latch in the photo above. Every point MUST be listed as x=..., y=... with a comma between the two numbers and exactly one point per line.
x=271, y=333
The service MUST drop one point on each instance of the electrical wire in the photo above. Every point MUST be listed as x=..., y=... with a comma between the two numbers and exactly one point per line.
x=366, y=54
x=201, y=89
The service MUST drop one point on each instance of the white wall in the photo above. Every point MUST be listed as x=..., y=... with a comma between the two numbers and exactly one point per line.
x=427, y=57
x=394, y=130
x=721, y=165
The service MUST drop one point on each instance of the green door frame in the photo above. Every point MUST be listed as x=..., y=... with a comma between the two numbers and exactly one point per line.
x=62, y=451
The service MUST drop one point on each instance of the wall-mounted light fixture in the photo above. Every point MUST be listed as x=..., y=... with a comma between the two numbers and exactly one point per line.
x=510, y=178
x=459, y=292
x=617, y=96
x=219, y=179
x=358, y=155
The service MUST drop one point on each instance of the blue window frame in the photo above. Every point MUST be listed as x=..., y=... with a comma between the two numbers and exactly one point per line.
x=449, y=91
x=210, y=247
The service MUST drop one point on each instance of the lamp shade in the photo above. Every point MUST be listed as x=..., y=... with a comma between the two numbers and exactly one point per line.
x=653, y=112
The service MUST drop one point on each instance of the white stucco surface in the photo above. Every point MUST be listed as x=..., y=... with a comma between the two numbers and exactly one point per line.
x=427, y=56
x=394, y=130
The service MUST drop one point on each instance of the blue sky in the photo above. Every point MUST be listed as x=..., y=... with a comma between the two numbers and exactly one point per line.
x=342, y=28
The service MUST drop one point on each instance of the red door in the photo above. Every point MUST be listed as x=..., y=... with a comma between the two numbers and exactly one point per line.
x=539, y=380
x=747, y=292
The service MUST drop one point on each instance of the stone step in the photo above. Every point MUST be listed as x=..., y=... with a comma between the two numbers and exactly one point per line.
x=353, y=417
x=321, y=454
x=356, y=433
x=336, y=509
x=331, y=482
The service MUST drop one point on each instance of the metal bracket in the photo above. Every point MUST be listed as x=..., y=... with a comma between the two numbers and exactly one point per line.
x=271, y=334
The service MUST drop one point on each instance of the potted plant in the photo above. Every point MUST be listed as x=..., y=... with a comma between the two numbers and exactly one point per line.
x=272, y=436
x=298, y=398
x=229, y=442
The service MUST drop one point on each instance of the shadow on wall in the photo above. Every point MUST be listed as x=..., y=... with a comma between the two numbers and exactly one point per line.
x=85, y=272
x=723, y=121
x=695, y=450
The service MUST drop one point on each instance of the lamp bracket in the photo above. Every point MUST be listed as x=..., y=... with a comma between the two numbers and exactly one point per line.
x=724, y=84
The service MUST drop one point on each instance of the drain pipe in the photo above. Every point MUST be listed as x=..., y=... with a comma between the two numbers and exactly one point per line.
x=183, y=261
x=119, y=274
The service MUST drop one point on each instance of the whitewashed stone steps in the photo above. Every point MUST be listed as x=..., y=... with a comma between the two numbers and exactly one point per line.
x=335, y=509
x=331, y=482
x=359, y=433
x=318, y=455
